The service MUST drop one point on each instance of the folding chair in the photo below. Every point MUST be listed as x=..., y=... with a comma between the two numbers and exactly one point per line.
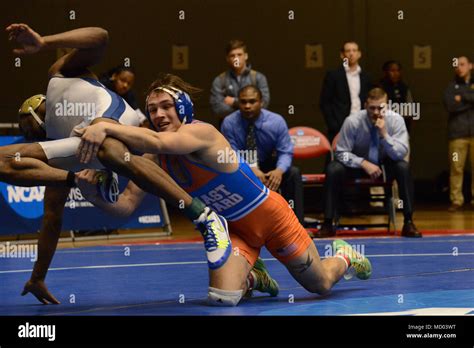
x=386, y=198
x=310, y=144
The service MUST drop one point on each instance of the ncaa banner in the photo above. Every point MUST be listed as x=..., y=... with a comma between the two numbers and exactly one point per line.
x=21, y=208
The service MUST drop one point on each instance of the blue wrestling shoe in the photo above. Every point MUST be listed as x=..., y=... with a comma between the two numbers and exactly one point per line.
x=215, y=232
x=108, y=185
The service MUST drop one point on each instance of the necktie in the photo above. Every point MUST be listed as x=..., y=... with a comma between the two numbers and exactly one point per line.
x=251, y=144
x=374, y=146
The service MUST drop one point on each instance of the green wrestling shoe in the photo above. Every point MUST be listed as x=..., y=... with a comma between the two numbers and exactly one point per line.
x=360, y=264
x=264, y=283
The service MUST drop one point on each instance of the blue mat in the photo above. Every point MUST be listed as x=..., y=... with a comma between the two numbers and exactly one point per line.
x=422, y=276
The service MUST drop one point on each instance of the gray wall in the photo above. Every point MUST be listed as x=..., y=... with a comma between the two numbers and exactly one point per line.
x=144, y=31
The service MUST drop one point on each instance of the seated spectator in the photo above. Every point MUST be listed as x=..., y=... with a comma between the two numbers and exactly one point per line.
x=262, y=136
x=225, y=87
x=397, y=90
x=120, y=80
x=459, y=101
x=368, y=139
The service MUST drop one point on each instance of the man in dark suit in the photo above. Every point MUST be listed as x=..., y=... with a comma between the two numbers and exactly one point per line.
x=344, y=90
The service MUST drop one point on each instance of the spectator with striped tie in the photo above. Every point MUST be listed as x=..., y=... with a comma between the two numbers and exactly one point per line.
x=262, y=138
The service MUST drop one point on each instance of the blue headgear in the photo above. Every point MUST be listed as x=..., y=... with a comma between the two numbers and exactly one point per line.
x=182, y=103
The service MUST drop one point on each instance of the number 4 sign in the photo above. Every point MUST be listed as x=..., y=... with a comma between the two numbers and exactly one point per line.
x=314, y=56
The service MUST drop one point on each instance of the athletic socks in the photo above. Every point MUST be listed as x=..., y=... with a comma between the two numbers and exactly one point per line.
x=195, y=209
x=345, y=259
x=252, y=280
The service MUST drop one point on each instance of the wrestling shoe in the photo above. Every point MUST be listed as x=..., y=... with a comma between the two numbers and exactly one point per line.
x=215, y=232
x=359, y=263
x=108, y=185
x=263, y=282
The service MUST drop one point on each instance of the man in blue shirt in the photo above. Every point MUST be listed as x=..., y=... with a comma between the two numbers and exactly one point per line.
x=368, y=139
x=261, y=139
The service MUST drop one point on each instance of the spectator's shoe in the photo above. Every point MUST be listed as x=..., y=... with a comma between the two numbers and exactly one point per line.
x=108, y=185
x=409, y=230
x=264, y=282
x=359, y=263
x=454, y=208
x=215, y=232
x=327, y=230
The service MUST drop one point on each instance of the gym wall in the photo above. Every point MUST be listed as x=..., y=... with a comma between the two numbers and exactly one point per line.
x=145, y=31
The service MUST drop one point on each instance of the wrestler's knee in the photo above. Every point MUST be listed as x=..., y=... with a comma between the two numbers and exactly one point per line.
x=113, y=153
x=225, y=298
x=321, y=287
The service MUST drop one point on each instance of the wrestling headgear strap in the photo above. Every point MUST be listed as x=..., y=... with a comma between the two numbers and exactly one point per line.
x=30, y=106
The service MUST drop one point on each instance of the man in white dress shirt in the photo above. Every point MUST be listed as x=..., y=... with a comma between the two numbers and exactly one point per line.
x=344, y=90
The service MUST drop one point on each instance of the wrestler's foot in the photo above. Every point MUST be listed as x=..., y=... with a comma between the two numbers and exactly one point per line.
x=215, y=232
x=263, y=282
x=108, y=185
x=359, y=263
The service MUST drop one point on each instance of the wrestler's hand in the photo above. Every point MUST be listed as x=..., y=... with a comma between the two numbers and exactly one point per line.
x=87, y=182
x=29, y=40
x=274, y=178
x=92, y=137
x=40, y=291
